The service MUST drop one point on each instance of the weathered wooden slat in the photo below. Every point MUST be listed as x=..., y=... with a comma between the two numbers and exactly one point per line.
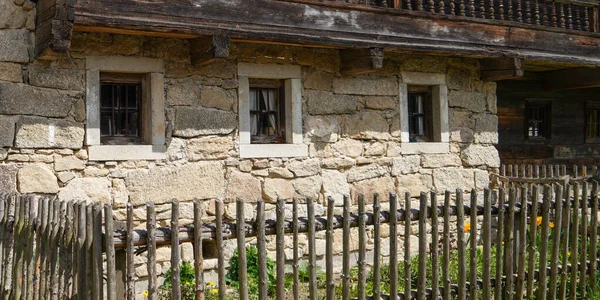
x=129, y=277
x=330, y=280
x=361, y=61
x=312, y=255
x=261, y=244
x=421, y=279
x=574, y=240
x=53, y=283
x=594, y=236
x=220, y=255
x=97, y=270
x=69, y=242
x=545, y=225
x=487, y=243
x=8, y=247
x=556, y=230
x=151, y=252
x=280, y=240
x=584, y=236
x=17, y=261
x=198, y=258
x=209, y=49
x=4, y=198
x=498, y=293
x=532, y=238
x=407, y=259
x=446, y=248
x=495, y=69
x=565, y=242
x=81, y=249
x=346, y=249
x=509, y=242
x=434, y=247
x=89, y=256
x=473, y=246
x=27, y=237
x=522, y=246
x=176, y=252
x=41, y=206
x=111, y=273
x=62, y=255
x=362, y=249
x=295, y=266
x=460, y=240
x=393, y=263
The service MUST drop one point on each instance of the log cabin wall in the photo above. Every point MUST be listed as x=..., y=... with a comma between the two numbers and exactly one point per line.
x=567, y=143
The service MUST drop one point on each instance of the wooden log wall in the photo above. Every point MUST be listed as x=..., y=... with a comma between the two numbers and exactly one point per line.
x=547, y=236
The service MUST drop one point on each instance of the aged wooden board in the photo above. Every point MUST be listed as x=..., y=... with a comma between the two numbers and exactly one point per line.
x=340, y=26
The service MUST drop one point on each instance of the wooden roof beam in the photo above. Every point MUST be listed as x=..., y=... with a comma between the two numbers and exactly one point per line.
x=494, y=69
x=54, y=28
x=570, y=79
x=208, y=49
x=360, y=61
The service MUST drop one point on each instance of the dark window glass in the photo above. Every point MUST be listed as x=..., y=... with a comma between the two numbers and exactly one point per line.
x=267, y=115
x=538, y=119
x=592, y=121
x=120, y=111
x=419, y=115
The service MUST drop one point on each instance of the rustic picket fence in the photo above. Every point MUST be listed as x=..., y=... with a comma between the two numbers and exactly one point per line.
x=544, y=174
x=51, y=249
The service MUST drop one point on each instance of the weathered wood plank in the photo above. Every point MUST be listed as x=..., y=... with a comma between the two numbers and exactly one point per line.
x=574, y=78
x=330, y=280
x=151, y=254
x=280, y=241
x=209, y=49
x=220, y=255
x=393, y=263
x=494, y=69
x=346, y=249
x=111, y=273
x=361, y=61
x=176, y=252
x=312, y=255
x=261, y=245
x=198, y=258
x=376, y=247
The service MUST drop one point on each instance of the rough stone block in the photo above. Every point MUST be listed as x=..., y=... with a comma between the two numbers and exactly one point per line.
x=368, y=125
x=335, y=185
x=414, y=184
x=14, y=45
x=323, y=103
x=275, y=188
x=64, y=79
x=216, y=98
x=11, y=72
x=183, y=92
x=317, y=80
x=22, y=99
x=192, y=122
x=406, y=165
x=480, y=155
x=15, y=15
x=209, y=148
x=37, y=178
x=244, y=186
x=8, y=178
x=88, y=189
x=322, y=128
x=366, y=86
x=381, y=102
x=66, y=163
x=472, y=101
x=187, y=182
x=365, y=172
x=307, y=187
x=382, y=185
x=7, y=128
x=441, y=160
x=304, y=168
x=349, y=147
x=449, y=179
x=35, y=132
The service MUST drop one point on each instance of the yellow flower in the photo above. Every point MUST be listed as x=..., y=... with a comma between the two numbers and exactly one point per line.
x=210, y=283
x=188, y=283
x=551, y=224
x=467, y=226
x=539, y=221
x=479, y=248
x=146, y=293
x=214, y=291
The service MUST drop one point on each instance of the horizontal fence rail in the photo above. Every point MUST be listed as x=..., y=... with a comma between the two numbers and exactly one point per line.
x=503, y=243
x=572, y=15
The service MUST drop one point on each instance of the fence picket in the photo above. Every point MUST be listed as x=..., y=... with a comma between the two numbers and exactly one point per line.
x=509, y=237
x=487, y=243
x=296, y=274
x=62, y=254
x=556, y=229
x=407, y=261
x=473, y=245
x=566, y=216
x=393, y=263
x=532, y=238
x=346, y=246
x=446, y=248
x=330, y=285
x=499, y=245
x=81, y=250
x=594, y=236
x=29, y=247
x=198, y=259
x=97, y=252
x=547, y=199
x=111, y=274
x=460, y=237
x=175, y=252
x=422, y=280
x=89, y=238
x=53, y=282
x=312, y=255
x=261, y=247
x=151, y=245
x=376, y=248
x=38, y=241
x=129, y=279
x=434, y=247
x=17, y=261
x=280, y=240
x=522, y=245
x=584, y=236
x=574, y=241
x=220, y=255
x=362, y=242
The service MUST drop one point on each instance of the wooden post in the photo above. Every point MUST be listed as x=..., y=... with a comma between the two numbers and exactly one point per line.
x=460, y=230
x=362, y=241
x=130, y=284
x=296, y=274
x=241, y=247
x=434, y=247
x=98, y=290
x=407, y=261
x=219, y=242
x=421, y=280
x=176, y=252
x=446, y=248
x=330, y=285
x=544, y=242
x=346, y=246
x=280, y=241
x=556, y=242
x=377, y=248
x=109, y=229
x=487, y=243
x=393, y=245
x=198, y=259
x=262, y=251
x=151, y=229
x=312, y=256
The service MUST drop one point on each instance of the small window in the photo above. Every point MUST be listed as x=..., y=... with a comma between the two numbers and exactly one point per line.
x=420, y=114
x=121, y=101
x=592, y=122
x=537, y=120
x=267, y=112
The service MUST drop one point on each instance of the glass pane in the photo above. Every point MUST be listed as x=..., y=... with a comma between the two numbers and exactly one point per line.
x=132, y=96
x=105, y=123
x=132, y=123
x=106, y=96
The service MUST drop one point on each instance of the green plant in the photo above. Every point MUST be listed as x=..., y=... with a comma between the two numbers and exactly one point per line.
x=233, y=277
x=187, y=285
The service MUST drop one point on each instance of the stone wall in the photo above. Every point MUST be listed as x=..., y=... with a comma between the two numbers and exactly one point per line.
x=351, y=125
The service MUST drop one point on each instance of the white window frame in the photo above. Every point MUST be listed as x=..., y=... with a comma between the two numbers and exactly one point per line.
x=154, y=124
x=291, y=75
x=439, y=97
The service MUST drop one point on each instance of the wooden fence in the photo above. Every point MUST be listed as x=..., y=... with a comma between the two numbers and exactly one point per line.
x=66, y=250
x=544, y=174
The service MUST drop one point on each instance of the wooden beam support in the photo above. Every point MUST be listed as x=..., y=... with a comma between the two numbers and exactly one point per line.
x=205, y=50
x=570, y=79
x=360, y=61
x=54, y=28
x=494, y=69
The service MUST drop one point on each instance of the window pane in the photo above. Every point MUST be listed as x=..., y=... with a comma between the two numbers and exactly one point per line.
x=132, y=96
x=120, y=113
x=106, y=96
x=266, y=110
